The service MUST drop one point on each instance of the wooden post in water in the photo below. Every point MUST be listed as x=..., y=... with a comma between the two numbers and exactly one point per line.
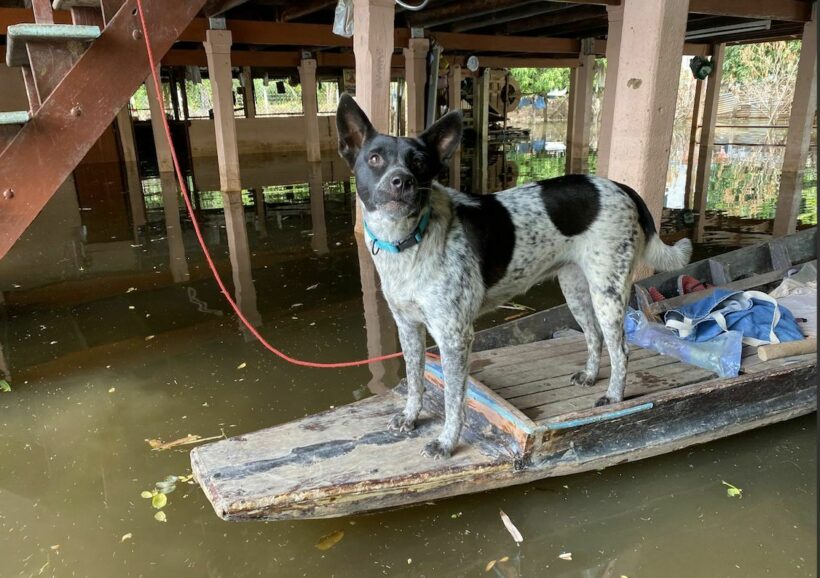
x=249, y=96
x=218, y=52
x=481, y=117
x=615, y=15
x=318, y=241
x=415, y=74
x=697, y=108
x=578, y=127
x=646, y=88
x=170, y=190
x=706, y=147
x=373, y=48
x=125, y=128
x=804, y=109
x=310, y=108
x=454, y=103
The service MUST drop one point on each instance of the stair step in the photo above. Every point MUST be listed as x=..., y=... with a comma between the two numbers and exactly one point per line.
x=18, y=35
x=66, y=4
x=14, y=117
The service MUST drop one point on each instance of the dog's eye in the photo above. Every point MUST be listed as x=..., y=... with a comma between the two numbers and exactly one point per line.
x=418, y=164
x=374, y=160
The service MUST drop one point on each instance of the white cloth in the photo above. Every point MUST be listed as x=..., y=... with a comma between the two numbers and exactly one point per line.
x=798, y=294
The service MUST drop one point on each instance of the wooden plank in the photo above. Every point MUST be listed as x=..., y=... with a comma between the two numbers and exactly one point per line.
x=789, y=10
x=73, y=118
x=516, y=62
x=718, y=274
x=505, y=44
x=11, y=16
x=556, y=390
x=780, y=254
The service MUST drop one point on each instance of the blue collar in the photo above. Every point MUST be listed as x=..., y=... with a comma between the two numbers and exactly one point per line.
x=411, y=240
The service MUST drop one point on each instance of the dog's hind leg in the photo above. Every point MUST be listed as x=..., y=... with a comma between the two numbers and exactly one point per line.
x=610, y=293
x=455, y=353
x=575, y=287
x=412, y=336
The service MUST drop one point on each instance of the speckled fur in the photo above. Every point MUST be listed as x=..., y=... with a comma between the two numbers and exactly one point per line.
x=437, y=285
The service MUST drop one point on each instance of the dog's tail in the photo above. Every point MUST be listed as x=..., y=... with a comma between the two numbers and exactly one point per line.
x=664, y=257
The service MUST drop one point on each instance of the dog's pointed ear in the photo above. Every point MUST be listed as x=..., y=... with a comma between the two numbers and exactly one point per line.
x=353, y=128
x=445, y=135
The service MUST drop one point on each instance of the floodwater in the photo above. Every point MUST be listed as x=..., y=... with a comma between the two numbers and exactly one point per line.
x=110, y=351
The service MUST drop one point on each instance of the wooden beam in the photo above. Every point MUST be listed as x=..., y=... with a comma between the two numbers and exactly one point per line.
x=707, y=141
x=789, y=10
x=552, y=19
x=298, y=10
x=697, y=108
x=216, y=7
x=456, y=11
x=263, y=59
x=515, y=62
x=489, y=43
x=9, y=16
x=798, y=139
x=504, y=16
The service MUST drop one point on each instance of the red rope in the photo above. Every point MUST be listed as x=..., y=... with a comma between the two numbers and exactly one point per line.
x=201, y=240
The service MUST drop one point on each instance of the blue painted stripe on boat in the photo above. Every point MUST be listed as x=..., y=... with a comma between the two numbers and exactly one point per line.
x=600, y=417
x=484, y=399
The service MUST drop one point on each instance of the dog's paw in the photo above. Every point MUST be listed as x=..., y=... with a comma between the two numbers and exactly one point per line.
x=581, y=378
x=400, y=423
x=605, y=401
x=436, y=450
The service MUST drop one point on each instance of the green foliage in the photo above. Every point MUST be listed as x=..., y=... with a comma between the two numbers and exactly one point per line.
x=750, y=63
x=541, y=80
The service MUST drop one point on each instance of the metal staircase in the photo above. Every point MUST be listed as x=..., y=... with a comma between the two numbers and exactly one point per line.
x=78, y=76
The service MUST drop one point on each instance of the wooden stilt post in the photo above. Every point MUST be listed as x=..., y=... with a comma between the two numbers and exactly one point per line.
x=454, y=101
x=261, y=214
x=415, y=74
x=125, y=128
x=481, y=117
x=697, y=108
x=373, y=48
x=644, y=100
x=707, y=141
x=170, y=192
x=615, y=15
x=218, y=52
x=310, y=108
x=317, y=209
x=804, y=109
x=249, y=96
x=581, y=118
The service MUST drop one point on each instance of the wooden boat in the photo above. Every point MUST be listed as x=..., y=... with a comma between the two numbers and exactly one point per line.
x=524, y=420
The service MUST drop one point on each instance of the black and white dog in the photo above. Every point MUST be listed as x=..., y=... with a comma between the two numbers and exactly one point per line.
x=445, y=257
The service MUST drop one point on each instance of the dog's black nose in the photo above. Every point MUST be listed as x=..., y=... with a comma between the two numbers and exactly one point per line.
x=401, y=183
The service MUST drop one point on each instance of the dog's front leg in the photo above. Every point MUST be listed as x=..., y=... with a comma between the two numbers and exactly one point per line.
x=412, y=336
x=455, y=353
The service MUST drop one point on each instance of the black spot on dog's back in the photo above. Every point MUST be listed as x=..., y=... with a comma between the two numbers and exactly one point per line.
x=644, y=216
x=491, y=235
x=572, y=203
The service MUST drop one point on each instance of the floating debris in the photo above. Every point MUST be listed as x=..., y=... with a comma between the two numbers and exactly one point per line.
x=125, y=537
x=5, y=386
x=160, y=516
x=566, y=556
x=732, y=491
x=327, y=542
x=516, y=535
x=159, y=445
x=242, y=365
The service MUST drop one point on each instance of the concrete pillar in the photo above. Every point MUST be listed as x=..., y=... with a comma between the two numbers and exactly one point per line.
x=454, y=101
x=578, y=128
x=615, y=15
x=645, y=91
x=125, y=128
x=707, y=141
x=415, y=75
x=481, y=114
x=804, y=109
x=697, y=108
x=218, y=51
x=249, y=97
x=170, y=191
x=317, y=209
x=373, y=49
x=310, y=108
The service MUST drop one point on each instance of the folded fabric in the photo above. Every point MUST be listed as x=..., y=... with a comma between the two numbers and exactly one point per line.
x=756, y=315
x=799, y=294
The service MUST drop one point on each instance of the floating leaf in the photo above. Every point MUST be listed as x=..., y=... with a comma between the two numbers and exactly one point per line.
x=5, y=386
x=112, y=390
x=127, y=536
x=456, y=515
x=312, y=287
x=146, y=494
x=184, y=479
x=732, y=491
x=327, y=542
x=166, y=487
x=160, y=516
x=157, y=444
x=490, y=565
x=242, y=365
x=504, y=559
x=149, y=337
x=159, y=500
x=565, y=556
x=516, y=535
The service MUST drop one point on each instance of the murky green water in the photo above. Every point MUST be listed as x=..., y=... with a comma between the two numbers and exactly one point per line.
x=106, y=359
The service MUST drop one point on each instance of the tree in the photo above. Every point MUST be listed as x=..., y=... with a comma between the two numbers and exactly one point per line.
x=541, y=80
